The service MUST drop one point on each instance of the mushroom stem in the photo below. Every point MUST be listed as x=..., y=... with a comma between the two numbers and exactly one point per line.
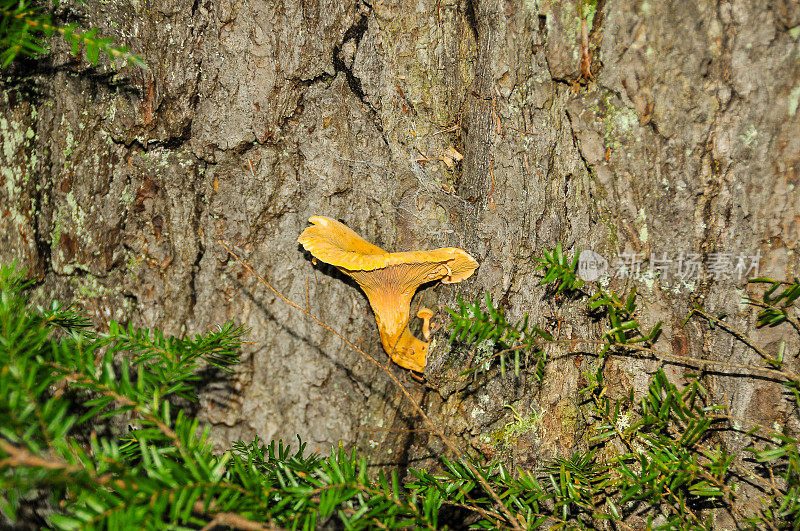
x=392, y=311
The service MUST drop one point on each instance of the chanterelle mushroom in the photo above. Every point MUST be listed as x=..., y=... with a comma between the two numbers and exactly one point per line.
x=388, y=279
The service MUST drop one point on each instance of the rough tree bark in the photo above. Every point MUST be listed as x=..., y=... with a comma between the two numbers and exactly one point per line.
x=114, y=188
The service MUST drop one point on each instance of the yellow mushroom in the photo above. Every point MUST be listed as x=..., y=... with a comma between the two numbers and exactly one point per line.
x=425, y=314
x=389, y=280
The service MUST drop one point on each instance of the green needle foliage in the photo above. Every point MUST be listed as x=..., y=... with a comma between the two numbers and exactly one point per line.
x=60, y=379
x=26, y=26
x=654, y=461
x=776, y=308
x=471, y=325
x=496, y=339
x=558, y=267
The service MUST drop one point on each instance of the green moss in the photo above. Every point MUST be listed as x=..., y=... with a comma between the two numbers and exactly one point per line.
x=88, y=287
x=133, y=261
x=641, y=220
x=55, y=236
x=619, y=124
x=588, y=9
x=126, y=197
x=794, y=100
x=567, y=413
x=749, y=136
x=69, y=141
x=484, y=352
x=508, y=435
x=78, y=214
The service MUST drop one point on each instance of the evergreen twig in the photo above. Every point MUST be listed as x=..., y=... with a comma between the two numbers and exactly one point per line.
x=25, y=28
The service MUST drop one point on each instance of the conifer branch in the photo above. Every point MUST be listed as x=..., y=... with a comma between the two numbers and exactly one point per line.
x=25, y=29
x=654, y=455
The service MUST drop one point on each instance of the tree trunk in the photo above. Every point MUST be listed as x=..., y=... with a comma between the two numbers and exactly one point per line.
x=115, y=189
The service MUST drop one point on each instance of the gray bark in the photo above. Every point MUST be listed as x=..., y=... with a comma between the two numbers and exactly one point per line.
x=115, y=188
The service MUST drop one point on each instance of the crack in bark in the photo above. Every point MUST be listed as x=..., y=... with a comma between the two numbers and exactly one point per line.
x=479, y=123
x=586, y=165
x=201, y=248
x=707, y=243
x=471, y=18
x=542, y=20
x=172, y=143
x=550, y=163
x=596, y=38
x=134, y=300
x=356, y=33
x=43, y=248
x=575, y=141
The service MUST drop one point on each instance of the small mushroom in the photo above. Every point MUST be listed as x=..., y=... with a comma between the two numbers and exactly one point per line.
x=389, y=280
x=425, y=314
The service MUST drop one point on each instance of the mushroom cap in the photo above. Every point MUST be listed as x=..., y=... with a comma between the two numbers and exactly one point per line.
x=425, y=313
x=337, y=244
